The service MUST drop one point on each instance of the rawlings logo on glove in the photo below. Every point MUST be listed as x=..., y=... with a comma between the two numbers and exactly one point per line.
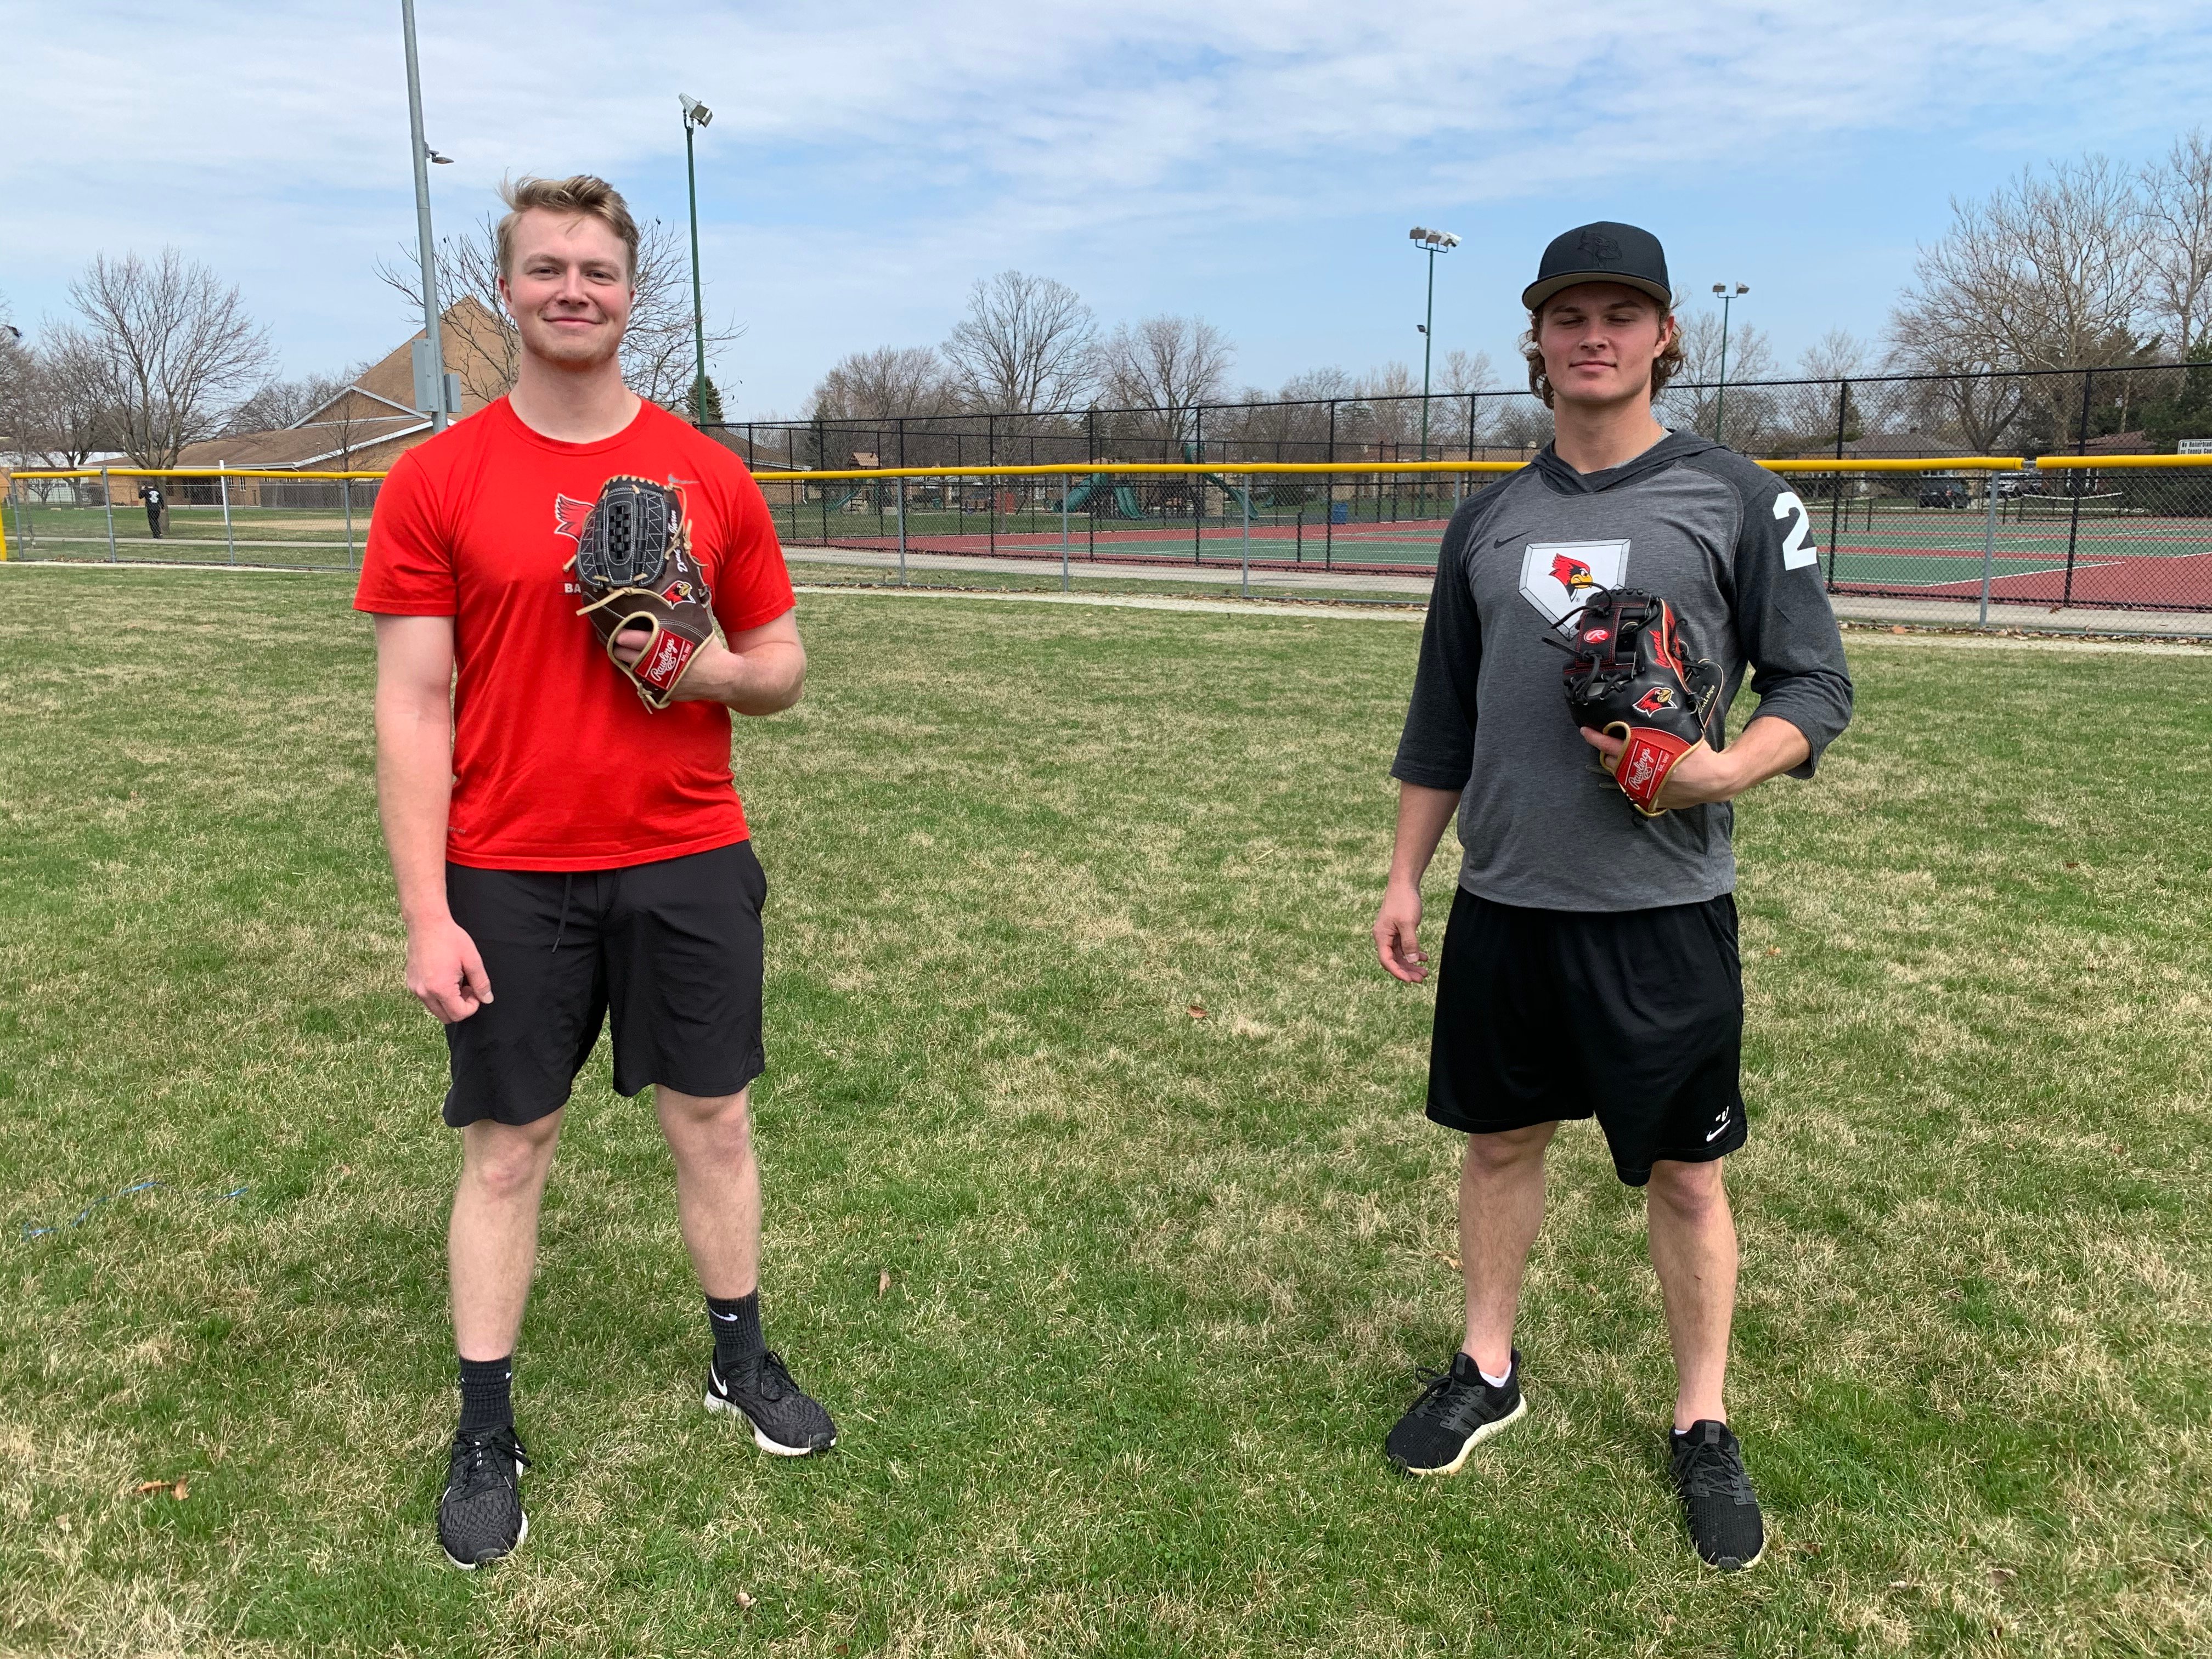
x=633, y=562
x=1630, y=677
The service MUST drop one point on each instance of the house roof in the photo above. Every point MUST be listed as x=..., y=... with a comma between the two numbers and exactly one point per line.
x=376, y=407
x=307, y=447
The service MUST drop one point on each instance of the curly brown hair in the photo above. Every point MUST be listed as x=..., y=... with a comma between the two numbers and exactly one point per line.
x=1664, y=368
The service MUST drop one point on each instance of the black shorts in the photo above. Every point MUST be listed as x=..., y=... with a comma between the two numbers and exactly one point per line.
x=672, y=948
x=1633, y=1016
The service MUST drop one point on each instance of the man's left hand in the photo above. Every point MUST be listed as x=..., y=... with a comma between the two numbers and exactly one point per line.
x=1703, y=775
x=759, y=671
x=1765, y=748
x=705, y=670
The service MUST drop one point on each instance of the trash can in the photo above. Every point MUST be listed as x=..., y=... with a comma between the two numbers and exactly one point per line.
x=1340, y=512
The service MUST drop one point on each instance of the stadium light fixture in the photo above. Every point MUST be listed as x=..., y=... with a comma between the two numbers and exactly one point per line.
x=1430, y=242
x=1720, y=398
x=696, y=115
x=435, y=159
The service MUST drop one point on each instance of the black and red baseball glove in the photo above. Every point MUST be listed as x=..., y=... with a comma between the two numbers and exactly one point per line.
x=1632, y=676
x=633, y=564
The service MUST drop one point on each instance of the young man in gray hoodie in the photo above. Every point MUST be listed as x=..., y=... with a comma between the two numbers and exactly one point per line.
x=1589, y=965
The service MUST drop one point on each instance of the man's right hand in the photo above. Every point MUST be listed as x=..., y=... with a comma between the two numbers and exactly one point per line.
x=1398, y=933
x=444, y=972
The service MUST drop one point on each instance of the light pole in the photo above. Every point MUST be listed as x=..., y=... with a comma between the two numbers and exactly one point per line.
x=1720, y=399
x=696, y=114
x=1430, y=242
x=430, y=357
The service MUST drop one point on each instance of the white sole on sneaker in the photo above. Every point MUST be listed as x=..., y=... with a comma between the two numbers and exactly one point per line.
x=772, y=1448
x=1520, y=1410
x=471, y=1566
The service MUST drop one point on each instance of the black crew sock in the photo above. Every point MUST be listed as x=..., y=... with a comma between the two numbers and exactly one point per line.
x=487, y=1394
x=737, y=1339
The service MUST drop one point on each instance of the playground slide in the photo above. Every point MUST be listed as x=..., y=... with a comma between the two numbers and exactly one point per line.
x=1104, y=501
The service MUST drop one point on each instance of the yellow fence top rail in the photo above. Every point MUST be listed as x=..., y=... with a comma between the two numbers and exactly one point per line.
x=183, y=472
x=1236, y=469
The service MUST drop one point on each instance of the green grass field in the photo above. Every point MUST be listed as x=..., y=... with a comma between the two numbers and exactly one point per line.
x=1115, y=1302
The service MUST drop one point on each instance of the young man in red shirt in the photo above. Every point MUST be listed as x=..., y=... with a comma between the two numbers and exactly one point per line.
x=562, y=850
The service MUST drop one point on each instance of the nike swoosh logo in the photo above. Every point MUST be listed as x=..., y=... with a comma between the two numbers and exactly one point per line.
x=1717, y=1133
x=1502, y=540
x=727, y=1319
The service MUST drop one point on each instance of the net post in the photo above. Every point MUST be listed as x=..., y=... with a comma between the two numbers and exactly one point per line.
x=1065, y=487
x=1836, y=478
x=107, y=498
x=229, y=536
x=902, y=529
x=1989, y=543
x=1244, y=575
x=2076, y=481
x=1328, y=517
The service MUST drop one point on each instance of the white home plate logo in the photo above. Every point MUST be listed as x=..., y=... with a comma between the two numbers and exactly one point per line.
x=1557, y=577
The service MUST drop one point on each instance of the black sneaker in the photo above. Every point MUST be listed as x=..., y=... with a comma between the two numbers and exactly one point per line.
x=784, y=1421
x=1716, y=1498
x=1456, y=1413
x=480, y=1516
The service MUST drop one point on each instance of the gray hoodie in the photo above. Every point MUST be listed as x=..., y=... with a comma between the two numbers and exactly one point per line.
x=1725, y=542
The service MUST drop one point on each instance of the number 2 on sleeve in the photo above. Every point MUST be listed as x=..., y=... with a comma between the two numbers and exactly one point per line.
x=1797, y=551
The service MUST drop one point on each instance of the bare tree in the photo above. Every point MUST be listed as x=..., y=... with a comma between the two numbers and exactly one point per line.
x=2178, y=210
x=1024, y=345
x=1839, y=355
x=172, y=348
x=1165, y=366
x=1318, y=385
x=1465, y=371
x=281, y=403
x=658, y=354
x=2048, y=273
x=889, y=383
x=66, y=417
x=16, y=368
x=1694, y=402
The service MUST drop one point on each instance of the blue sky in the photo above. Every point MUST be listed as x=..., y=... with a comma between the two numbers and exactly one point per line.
x=1257, y=164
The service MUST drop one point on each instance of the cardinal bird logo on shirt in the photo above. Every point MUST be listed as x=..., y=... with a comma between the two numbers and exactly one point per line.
x=569, y=517
x=1571, y=573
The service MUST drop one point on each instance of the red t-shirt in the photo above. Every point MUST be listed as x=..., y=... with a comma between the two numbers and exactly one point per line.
x=557, y=764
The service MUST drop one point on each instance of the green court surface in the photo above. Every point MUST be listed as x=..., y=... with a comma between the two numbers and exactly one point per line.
x=1100, y=1203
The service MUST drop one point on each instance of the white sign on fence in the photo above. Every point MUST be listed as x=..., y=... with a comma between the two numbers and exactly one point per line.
x=2194, y=446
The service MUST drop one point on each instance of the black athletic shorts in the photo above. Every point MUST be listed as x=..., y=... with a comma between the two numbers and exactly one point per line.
x=1633, y=1016
x=672, y=950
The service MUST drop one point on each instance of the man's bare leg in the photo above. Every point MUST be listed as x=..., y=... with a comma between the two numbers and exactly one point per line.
x=491, y=1244
x=717, y=1204
x=1693, y=1239
x=1501, y=1208
x=718, y=1198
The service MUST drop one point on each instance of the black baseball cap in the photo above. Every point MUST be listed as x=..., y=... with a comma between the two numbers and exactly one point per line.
x=1602, y=253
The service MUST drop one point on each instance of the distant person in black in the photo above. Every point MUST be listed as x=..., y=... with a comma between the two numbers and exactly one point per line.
x=150, y=492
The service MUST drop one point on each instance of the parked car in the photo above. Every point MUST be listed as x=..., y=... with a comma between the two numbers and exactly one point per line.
x=1944, y=492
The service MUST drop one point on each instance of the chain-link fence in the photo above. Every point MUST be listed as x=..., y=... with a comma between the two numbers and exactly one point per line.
x=1949, y=538
x=2069, y=540
x=2137, y=409
x=311, y=520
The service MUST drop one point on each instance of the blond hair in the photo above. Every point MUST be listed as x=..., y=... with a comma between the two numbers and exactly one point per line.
x=1664, y=368
x=583, y=195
